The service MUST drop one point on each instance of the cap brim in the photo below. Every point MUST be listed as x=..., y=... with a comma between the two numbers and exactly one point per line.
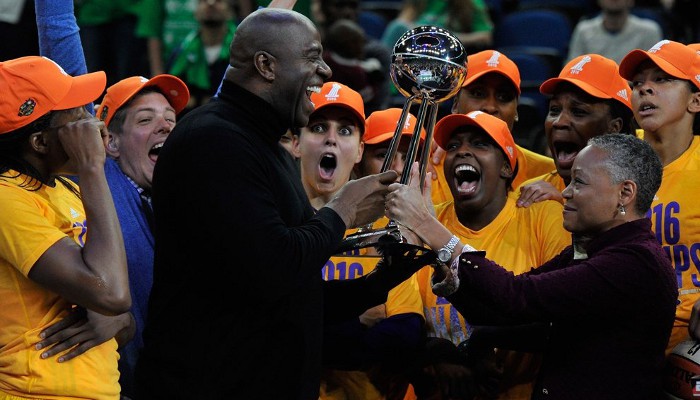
x=174, y=90
x=478, y=75
x=629, y=64
x=448, y=124
x=360, y=117
x=549, y=86
x=84, y=90
x=387, y=136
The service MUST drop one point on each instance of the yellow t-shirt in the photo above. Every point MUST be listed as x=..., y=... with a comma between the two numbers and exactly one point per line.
x=530, y=165
x=518, y=239
x=675, y=218
x=32, y=221
x=402, y=299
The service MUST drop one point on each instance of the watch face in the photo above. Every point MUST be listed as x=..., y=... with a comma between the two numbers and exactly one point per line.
x=443, y=255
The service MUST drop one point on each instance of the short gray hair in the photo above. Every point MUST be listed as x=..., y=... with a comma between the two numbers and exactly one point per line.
x=630, y=158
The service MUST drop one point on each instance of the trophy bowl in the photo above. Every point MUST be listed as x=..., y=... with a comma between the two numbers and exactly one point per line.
x=428, y=62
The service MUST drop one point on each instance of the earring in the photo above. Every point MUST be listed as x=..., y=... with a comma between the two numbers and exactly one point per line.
x=516, y=118
x=622, y=210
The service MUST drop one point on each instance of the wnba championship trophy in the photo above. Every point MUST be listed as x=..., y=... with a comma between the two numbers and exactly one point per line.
x=428, y=66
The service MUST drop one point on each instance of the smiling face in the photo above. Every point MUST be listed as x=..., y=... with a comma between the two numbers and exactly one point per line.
x=477, y=172
x=328, y=148
x=591, y=197
x=660, y=100
x=299, y=71
x=148, y=121
x=573, y=118
x=492, y=94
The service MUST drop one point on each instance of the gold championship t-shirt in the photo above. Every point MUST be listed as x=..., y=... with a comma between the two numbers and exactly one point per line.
x=675, y=219
x=518, y=239
x=32, y=221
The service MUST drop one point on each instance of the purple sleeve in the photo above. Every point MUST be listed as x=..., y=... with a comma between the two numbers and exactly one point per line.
x=560, y=288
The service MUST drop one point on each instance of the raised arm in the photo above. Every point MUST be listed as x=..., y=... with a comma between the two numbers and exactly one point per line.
x=95, y=275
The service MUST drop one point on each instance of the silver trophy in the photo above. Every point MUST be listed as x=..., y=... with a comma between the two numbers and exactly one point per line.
x=428, y=66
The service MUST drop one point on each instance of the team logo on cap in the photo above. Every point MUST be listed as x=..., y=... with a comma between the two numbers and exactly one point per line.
x=509, y=149
x=493, y=61
x=697, y=78
x=623, y=93
x=474, y=114
x=658, y=46
x=104, y=112
x=27, y=108
x=332, y=94
x=576, y=69
x=407, y=124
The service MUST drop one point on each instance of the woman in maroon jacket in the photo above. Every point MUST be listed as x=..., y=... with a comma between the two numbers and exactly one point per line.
x=608, y=300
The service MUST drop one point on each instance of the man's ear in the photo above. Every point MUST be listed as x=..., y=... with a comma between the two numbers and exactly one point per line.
x=265, y=64
x=112, y=145
x=38, y=142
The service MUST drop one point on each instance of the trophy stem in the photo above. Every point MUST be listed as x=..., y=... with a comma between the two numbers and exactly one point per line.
x=394, y=144
x=415, y=142
x=428, y=141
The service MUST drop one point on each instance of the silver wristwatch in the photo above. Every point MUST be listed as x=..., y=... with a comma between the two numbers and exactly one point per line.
x=445, y=253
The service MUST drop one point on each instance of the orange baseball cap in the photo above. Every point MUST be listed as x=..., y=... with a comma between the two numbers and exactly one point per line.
x=381, y=126
x=337, y=94
x=488, y=61
x=174, y=90
x=494, y=127
x=595, y=75
x=32, y=86
x=674, y=58
x=695, y=46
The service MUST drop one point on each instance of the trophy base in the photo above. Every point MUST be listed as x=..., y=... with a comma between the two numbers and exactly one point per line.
x=389, y=243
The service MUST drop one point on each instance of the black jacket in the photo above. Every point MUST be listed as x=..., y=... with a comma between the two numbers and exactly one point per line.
x=236, y=310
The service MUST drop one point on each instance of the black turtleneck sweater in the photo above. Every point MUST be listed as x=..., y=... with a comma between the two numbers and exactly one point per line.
x=236, y=309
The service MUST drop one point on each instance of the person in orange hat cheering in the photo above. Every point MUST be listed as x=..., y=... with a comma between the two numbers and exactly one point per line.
x=492, y=86
x=588, y=99
x=328, y=148
x=480, y=165
x=139, y=114
x=50, y=262
x=666, y=100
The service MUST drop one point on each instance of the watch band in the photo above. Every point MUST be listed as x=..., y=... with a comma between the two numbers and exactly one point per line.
x=450, y=246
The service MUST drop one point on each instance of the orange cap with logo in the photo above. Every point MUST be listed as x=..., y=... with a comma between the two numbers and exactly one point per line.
x=674, y=58
x=32, y=86
x=491, y=61
x=595, y=75
x=174, y=90
x=381, y=126
x=339, y=95
x=493, y=126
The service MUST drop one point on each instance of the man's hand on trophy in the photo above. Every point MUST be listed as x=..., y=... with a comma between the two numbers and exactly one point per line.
x=361, y=201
